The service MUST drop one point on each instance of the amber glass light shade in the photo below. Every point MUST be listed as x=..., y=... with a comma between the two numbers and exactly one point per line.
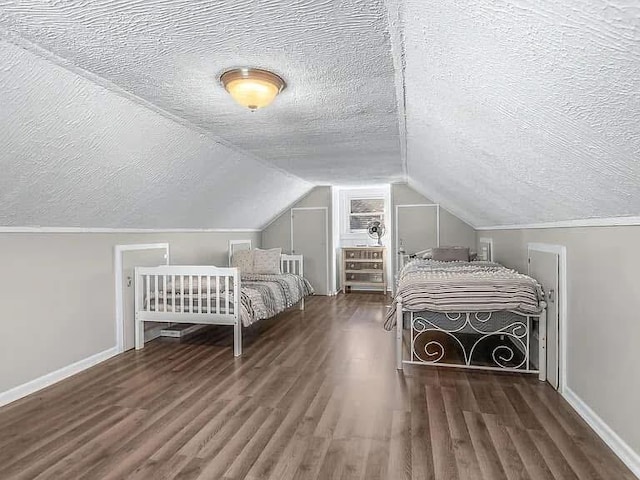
x=251, y=87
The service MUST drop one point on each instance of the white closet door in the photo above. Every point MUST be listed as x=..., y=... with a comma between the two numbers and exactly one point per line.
x=544, y=267
x=130, y=260
x=309, y=237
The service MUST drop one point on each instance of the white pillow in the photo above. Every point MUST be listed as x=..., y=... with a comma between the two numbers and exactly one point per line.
x=267, y=261
x=243, y=261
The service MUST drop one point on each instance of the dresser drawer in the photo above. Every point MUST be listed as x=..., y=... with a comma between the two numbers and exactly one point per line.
x=364, y=277
x=362, y=255
x=363, y=265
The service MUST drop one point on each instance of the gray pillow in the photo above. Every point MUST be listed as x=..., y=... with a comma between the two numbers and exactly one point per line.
x=451, y=254
x=267, y=261
x=243, y=261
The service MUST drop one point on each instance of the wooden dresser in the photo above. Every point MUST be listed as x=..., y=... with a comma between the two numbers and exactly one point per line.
x=364, y=267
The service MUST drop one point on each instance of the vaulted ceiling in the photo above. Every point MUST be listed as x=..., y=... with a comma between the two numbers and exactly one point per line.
x=524, y=111
x=504, y=112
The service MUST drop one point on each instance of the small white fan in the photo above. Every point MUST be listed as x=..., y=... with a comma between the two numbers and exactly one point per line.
x=376, y=230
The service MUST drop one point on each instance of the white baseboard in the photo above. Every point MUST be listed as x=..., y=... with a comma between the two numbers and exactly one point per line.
x=33, y=386
x=630, y=458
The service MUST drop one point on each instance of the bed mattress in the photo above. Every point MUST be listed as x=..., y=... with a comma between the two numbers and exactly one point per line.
x=452, y=287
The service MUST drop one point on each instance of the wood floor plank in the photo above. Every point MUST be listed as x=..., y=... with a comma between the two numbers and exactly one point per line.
x=509, y=457
x=313, y=460
x=533, y=461
x=466, y=459
x=315, y=396
x=488, y=458
x=444, y=459
x=400, y=446
x=269, y=456
x=553, y=458
x=575, y=457
x=422, y=455
x=294, y=452
x=220, y=457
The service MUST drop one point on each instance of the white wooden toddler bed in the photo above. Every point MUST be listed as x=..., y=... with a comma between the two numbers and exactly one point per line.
x=216, y=295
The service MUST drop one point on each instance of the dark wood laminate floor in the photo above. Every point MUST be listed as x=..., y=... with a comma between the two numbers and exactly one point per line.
x=315, y=396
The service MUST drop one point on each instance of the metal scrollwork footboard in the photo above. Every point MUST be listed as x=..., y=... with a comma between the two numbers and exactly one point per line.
x=480, y=340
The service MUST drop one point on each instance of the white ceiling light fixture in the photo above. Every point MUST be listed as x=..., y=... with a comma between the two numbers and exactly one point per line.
x=252, y=87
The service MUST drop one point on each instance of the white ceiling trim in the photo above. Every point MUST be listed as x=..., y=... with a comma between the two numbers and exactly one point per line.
x=586, y=222
x=45, y=54
x=36, y=229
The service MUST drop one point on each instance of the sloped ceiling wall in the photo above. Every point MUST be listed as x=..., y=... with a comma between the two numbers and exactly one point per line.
x=505, y=112
x=524, y=111
x=75, y=154
x=324, y=127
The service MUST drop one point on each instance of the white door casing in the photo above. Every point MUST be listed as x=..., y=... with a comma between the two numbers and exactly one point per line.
x=236, y=246
x=485, y=249
x=130, y=260
x=121, y=282
x=547, y=264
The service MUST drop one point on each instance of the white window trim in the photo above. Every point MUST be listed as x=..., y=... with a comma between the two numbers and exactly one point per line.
x=356, y=194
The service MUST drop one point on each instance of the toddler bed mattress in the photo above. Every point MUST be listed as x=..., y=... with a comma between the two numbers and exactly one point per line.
x=262, y=296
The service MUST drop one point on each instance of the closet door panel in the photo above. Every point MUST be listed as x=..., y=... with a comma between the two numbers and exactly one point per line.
x=309, y=238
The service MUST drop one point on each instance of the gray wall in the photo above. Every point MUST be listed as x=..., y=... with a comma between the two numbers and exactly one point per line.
x=58, y=297
x=278, y=233
x=453, y=231
x=603, y=329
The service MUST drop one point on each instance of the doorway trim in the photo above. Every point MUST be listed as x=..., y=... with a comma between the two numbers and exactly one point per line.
x=326, y=241
x=232, y=244
x=118, y=251
x=561, y=251
x=488, y=241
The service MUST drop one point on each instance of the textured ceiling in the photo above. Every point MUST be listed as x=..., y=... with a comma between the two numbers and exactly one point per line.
x=505, y=112
x=524, y=111
x=74, y=154
x=329, y=122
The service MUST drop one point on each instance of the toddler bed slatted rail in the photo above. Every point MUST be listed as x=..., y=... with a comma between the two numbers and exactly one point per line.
x=196, y=294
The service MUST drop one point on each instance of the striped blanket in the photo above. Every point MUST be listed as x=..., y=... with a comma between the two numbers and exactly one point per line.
x=262, y=296
x=429, y=285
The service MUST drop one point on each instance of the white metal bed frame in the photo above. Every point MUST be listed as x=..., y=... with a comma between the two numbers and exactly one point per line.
x=221, y=281
x=519, y=331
